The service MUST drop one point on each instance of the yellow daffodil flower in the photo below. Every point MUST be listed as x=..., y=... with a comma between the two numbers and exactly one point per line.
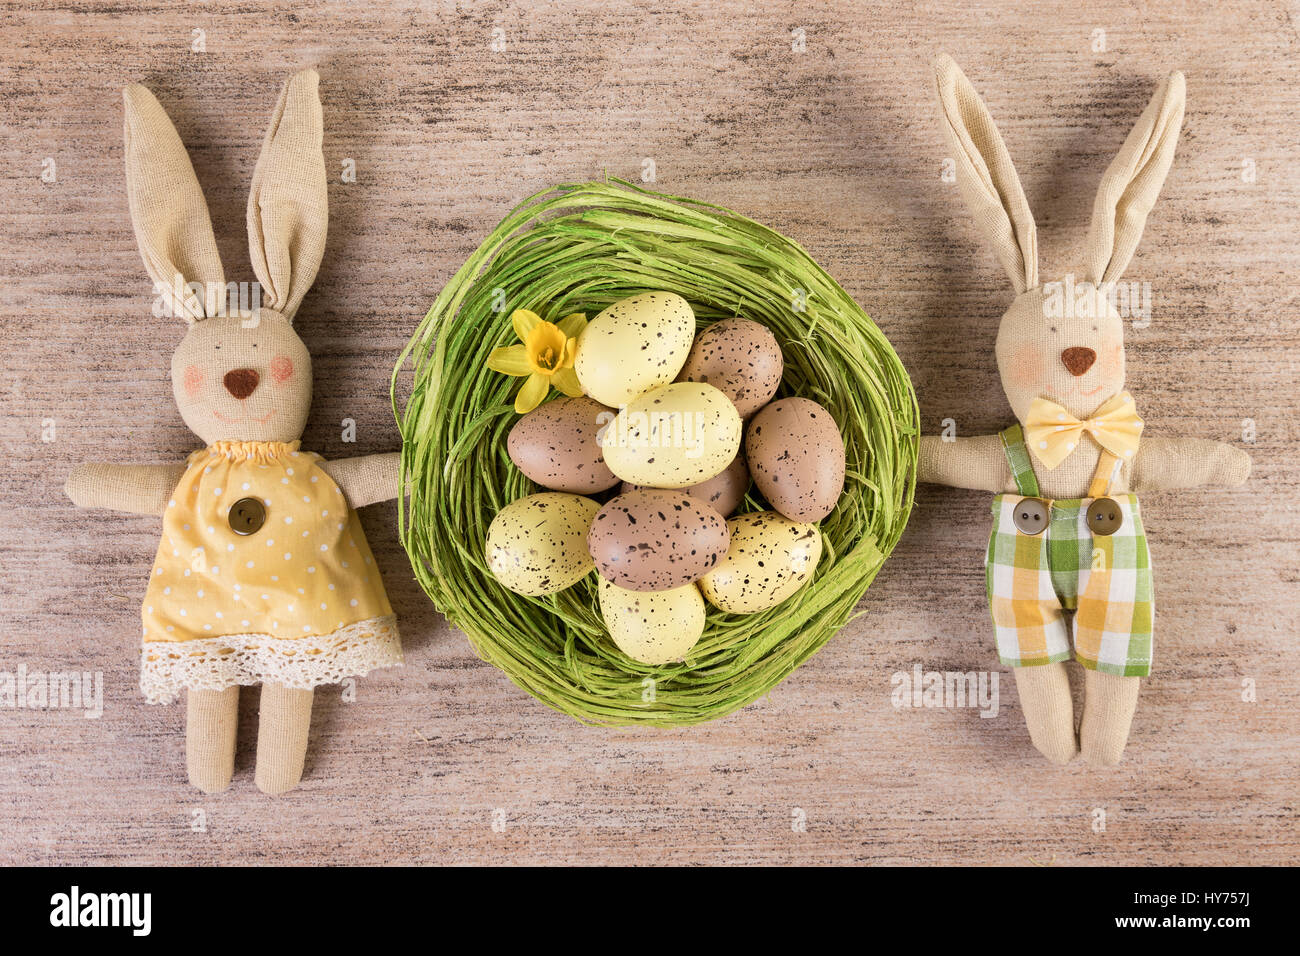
x=546, y=357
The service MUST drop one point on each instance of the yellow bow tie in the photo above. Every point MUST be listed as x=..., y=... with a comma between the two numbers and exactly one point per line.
x=1053, y=434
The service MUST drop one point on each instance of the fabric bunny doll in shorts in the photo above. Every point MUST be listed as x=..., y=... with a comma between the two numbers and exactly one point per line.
x=263, y=575
x=1067, y=535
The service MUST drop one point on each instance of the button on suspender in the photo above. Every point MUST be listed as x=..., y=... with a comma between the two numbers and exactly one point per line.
x=1030, y=515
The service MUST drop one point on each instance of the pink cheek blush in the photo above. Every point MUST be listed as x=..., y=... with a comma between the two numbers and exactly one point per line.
x=1117, y=358
x=1026, y=369
x=193, y=380
x=281, y=369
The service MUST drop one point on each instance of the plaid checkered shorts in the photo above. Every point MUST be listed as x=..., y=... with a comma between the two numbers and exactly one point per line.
x=1033, y=580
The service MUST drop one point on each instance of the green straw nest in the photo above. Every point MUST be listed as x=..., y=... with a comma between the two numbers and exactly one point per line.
x=579, y=248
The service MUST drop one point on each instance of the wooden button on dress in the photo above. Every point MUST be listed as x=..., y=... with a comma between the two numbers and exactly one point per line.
x=1030, y=515
x=247, y=515
x=1104, y=516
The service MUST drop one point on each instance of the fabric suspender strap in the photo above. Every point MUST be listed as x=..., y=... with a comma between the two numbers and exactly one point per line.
x=1107, y=469
x=1022, y=468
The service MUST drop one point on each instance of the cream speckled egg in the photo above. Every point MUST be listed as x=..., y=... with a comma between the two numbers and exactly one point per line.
x=634, y=345
x=739, y=357
x=770, y=558
x=538, y=545
x=796, y=456
x=653, y=627
x=673, y=436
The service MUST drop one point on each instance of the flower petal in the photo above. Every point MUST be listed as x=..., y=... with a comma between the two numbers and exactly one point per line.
x=566, y=380
x=570, y=353
x=531, y=395
x=524, y=321
x=511, y=360
x=572, y=325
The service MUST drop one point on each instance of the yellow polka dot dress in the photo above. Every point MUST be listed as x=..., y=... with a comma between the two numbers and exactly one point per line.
x=263, y=574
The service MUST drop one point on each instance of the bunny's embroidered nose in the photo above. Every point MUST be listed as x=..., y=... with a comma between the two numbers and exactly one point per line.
x=1077, y=360
x=241, y=382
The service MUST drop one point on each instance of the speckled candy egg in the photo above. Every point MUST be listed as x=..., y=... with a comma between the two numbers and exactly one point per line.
x=555, y=445
x=770, y=558
x=741, y=359
x=723, y=492
x=538, y=545
x=796, y=456
x=673, y=436
x=633, y=346
x=653, y=627
x=654, y=540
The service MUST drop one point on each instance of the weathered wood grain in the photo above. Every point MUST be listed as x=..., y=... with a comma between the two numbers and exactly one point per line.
x=838, y=147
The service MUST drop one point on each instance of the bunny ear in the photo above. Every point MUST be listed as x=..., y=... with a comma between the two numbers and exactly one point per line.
x=986, y=175
x=168, y=212
x=288, y=206
x=1129, y=188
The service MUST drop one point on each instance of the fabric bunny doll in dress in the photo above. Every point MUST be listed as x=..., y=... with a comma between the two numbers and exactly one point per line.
x=263, y=575
x=1067, y=535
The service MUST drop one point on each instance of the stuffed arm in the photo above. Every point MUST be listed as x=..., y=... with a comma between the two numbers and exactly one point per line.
x=964, y=463
x=1167, y=464
x=138, y=489
x=367, y=480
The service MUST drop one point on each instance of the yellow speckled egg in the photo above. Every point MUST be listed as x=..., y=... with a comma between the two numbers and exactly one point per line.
x=633, y=346
x=673, y=436
x=770, y=558
x=538, y=545
x=653, y=627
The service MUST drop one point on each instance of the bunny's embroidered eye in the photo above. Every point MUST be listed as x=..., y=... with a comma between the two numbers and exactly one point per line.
x=1053, y=330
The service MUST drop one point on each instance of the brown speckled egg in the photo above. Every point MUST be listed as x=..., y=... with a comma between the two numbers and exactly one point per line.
x=723, y=492
x=741, y=359
x=796, y=456
x=654, y=540
x=555, y=445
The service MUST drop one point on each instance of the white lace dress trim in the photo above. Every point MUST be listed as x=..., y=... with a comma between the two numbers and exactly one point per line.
x=215, y=663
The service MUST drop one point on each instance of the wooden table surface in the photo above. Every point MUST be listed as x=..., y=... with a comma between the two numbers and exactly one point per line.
x=817, y=119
